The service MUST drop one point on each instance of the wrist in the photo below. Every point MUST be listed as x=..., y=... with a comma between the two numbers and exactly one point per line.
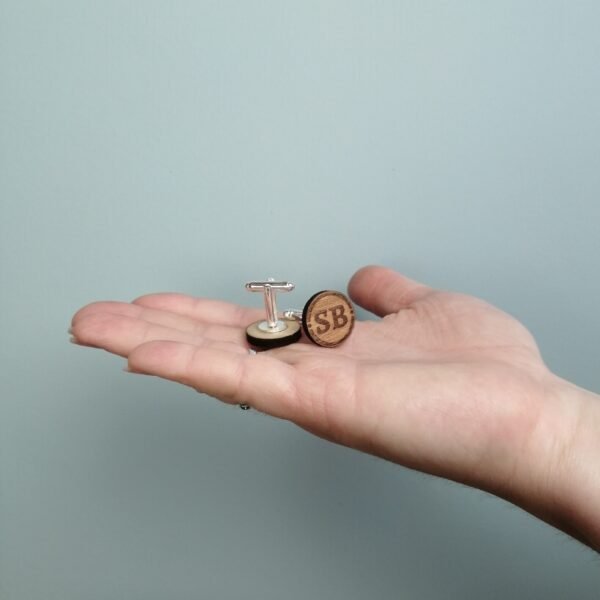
x=579, y=470
x=564, y=481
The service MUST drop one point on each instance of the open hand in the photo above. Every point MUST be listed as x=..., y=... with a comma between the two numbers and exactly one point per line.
x=444, y=382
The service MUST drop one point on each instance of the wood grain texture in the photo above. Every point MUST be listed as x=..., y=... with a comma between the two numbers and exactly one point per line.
x=263, y=339
x=328, y=318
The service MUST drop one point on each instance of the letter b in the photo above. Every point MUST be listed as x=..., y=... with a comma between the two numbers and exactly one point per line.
x=339, y=316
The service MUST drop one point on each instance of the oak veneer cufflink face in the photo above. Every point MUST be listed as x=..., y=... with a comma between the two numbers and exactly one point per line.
x=328, y=318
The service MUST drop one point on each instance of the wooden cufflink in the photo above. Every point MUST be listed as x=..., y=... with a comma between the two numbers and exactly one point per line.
x=327, y=319
x=272, y=332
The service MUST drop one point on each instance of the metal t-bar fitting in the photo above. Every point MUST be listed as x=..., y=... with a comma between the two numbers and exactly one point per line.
x=270, y=289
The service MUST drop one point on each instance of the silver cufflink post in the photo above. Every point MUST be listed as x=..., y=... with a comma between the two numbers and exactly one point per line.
x=293, y=314
x=270, y=287
x=272, y=332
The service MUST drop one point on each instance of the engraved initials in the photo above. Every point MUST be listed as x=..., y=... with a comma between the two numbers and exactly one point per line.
x=338, y=319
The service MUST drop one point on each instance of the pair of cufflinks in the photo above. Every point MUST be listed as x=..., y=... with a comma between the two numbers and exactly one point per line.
x=327, y=318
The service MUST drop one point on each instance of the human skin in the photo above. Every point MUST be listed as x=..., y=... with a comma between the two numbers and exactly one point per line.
x=444, y=383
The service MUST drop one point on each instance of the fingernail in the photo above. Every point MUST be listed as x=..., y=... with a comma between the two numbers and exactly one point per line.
x=77, y=342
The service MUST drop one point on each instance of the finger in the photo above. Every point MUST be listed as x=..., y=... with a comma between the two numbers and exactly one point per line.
x=202, y=309
x=120, y=334
x=156, y=316
x=259, y=380
x=383, y=291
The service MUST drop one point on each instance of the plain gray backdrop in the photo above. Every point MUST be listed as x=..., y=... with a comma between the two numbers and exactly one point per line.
x=191, y=146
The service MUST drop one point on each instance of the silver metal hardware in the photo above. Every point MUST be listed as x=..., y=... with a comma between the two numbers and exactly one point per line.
x=270, y=287
x=293, y=314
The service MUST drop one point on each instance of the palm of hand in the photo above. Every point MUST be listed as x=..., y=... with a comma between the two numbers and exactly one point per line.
x=444, y=383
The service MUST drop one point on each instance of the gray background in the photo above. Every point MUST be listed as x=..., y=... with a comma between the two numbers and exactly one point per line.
x=191, y=146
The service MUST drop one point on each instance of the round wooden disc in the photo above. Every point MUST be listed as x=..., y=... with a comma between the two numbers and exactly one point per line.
x=264, y=339
x=328, y=318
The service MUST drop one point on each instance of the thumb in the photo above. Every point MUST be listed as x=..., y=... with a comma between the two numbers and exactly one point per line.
x=383, y=291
